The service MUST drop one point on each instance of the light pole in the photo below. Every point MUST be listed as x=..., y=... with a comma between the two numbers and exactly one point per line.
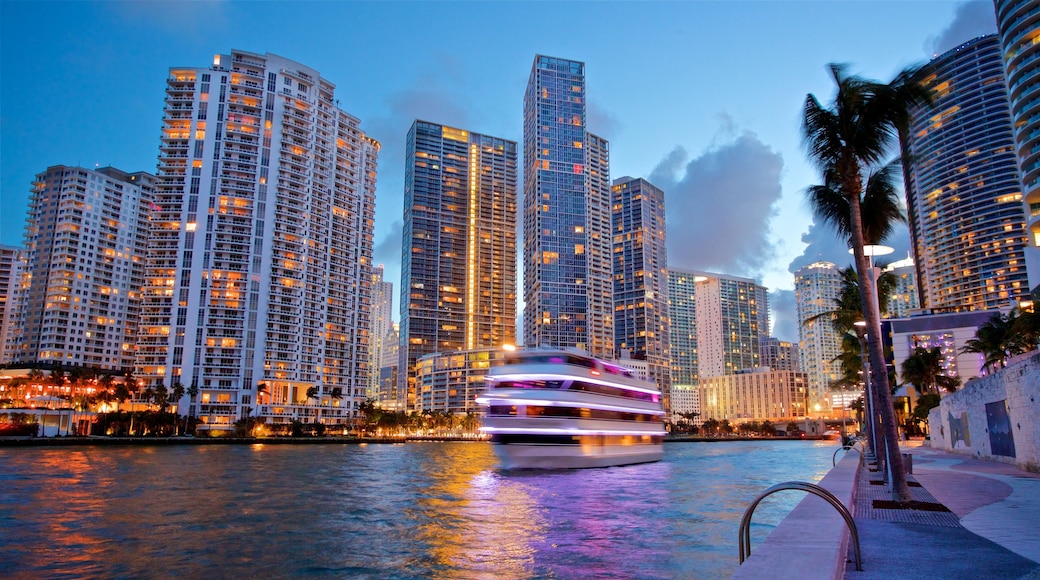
x=871, y=250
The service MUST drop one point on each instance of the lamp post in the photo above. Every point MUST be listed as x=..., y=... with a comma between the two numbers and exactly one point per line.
x=871, y=250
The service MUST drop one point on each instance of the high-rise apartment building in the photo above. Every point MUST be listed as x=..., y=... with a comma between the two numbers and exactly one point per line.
x=730, y=321
x=780, y=355
x=458, y=264
x=903, y=299
x=754, y=395
x=381, y=319
x=641, y=277
x=259, y=283
x=817, y=289
x=85, y=241
x=568, y=284
x=12, y=264
x=963, y=192
x=682, y=332
x=1018, y=23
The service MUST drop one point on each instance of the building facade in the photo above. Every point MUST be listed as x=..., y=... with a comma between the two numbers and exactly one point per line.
x=85, y=243
x=458, y=263
x=756, y=395
x=817, y=288
x=732, y=319
x=641, y=325
x=568, y=284
x=682, y=314
x=1018, y=23
x=451, y=381
x=12, y=265
x=949, y=332
x=780, y=355
x=903, y=299
x=381, y=319
x=258, y=287
x=963, y=192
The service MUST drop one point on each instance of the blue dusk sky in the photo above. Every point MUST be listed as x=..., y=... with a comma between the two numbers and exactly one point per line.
x=701, y=98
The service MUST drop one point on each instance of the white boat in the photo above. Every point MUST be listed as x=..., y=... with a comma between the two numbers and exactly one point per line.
x=552, y=409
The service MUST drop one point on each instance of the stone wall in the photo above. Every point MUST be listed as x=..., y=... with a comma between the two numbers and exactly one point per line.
x=995, y=417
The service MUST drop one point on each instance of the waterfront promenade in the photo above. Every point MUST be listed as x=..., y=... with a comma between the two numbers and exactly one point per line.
x=991, y=530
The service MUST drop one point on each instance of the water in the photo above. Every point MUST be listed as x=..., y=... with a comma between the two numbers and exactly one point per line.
x=416, y=510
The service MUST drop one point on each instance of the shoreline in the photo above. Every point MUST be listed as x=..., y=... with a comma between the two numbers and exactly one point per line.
x=163, y=441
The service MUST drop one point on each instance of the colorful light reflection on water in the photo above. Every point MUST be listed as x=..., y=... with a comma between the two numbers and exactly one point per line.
x=417, y=510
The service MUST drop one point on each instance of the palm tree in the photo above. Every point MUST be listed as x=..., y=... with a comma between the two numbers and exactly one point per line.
x=261, y=389
x=848, y=142
x=1000, y=338
x=193, y=394
x=315, y=393
x=924, y=369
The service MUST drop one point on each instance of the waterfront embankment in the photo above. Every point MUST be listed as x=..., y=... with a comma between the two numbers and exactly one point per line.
x=988, y=531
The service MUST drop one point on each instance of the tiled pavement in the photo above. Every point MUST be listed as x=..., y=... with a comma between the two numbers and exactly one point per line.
x=992, y=530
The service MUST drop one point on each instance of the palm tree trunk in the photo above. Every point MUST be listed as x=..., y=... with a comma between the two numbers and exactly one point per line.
x=900, y=489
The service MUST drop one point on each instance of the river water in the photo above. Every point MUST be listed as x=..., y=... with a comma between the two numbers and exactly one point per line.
x=415, y=510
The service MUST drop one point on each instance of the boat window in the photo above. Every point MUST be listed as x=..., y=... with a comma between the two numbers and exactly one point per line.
x=614, y=391
x=502, y=410
x=529, y=385
x=586, y=413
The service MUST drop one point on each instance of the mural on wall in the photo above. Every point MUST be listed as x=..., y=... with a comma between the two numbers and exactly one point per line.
x=1001, y=439
x=959, y=430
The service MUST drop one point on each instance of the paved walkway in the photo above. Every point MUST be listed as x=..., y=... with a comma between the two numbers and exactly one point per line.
x=991, y=531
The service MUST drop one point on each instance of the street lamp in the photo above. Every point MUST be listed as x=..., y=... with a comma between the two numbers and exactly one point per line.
x=871, y=250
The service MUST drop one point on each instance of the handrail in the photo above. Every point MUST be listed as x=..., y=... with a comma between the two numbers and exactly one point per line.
x=744, y=532
x=834, y=458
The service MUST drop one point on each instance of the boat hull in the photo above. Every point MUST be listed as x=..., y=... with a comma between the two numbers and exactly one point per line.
x=530, y=455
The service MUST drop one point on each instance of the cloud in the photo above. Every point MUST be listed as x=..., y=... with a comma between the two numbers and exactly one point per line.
x=784, y=314
x=719, y=205
x=601, y=122
x=973, y=19
x=824, y=244
x=388, y=250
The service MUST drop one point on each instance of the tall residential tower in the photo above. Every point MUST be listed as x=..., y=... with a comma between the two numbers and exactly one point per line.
x=641, y=277
x=568, y=285
x=259, y=283
x=458, y=263
x=85, y=242
x=1018, y=23
x=817, y=288
x=963, y=193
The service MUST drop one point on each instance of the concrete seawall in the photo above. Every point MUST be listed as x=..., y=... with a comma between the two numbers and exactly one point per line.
x=813, y=540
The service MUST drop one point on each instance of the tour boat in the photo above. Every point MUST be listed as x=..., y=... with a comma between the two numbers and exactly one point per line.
x=553, y=409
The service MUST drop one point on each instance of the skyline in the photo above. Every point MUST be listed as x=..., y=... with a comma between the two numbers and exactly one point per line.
x=669, y=101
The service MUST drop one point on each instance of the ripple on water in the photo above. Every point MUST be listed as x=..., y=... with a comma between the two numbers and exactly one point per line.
x=385, y=511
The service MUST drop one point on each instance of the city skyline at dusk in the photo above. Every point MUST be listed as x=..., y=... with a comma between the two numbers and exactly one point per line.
x=703, y=99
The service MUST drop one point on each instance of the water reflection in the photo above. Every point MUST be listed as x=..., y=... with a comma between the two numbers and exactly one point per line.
x=384, y=511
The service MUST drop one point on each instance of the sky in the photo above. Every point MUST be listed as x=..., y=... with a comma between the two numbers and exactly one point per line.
x=702, y=98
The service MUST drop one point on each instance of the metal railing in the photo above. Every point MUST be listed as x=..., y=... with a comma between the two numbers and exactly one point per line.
x=834, y=458
x=744, y=532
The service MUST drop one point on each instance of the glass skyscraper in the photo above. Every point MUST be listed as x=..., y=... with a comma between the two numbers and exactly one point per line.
x=1018, y=22
x=568, y=286
x=458, y=262
x=963, y=194
x=641, y=277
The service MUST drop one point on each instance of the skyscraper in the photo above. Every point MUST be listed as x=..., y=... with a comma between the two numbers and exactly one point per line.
x=903, y=299
x=682, y=334
x=12, y=264
x=1018, y=23
x=382, y=322
x=259, y=284
x=85, y=242
x=730, y=321
x=458, y=264
x=567, y=217
x=817, y=288
x=780, y=355
x=963, y=193
x=641, y=277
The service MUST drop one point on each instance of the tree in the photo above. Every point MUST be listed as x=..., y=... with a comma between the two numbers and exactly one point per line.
x=1000, y=338
x=924, y=369
x=848, y=142
x=162, y=397
x=262, y=389
x=767, y=428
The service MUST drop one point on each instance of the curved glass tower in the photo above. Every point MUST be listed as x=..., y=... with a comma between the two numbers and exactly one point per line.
x=1018, y=22
x=963, y=195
